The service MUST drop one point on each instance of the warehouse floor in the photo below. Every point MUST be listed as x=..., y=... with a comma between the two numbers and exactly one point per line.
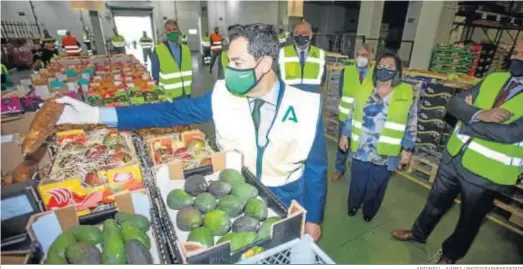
x=350, y=240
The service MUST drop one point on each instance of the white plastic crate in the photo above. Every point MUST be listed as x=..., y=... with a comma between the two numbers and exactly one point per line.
x=297, y=251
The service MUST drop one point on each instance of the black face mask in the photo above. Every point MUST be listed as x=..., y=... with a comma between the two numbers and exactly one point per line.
x=301, y=40
x=516, y=68
x=383, y=74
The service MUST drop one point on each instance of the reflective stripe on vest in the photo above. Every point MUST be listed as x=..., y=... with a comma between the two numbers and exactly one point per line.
x=146, y=43
x=175, y=80
x=291, y=71
x=498, y=162
x=391, y=135
x=351, y=87
x=73, y=49
x=118, y=41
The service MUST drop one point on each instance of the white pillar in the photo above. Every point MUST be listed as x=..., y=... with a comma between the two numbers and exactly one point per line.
x=426, y=32
x=369, y=21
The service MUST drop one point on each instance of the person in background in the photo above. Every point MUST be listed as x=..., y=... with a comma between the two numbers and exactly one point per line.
x=147, y=45
x=184, y=39
x=42, y=57
x=224, y=56
x=172, y=63
x=134, y=44
x=277, y=128
x=46, y=38
x=71, y=45
x=352, y=79
x=483, y=157
x=87, y=41
x=301, y=64
x=216, y=46
x=7, y=80
x=380, y=131
x=282, y=36
x=206, y=44
x=118, y=42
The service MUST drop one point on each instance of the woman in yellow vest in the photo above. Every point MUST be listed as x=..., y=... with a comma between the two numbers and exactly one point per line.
x=352, y=78
x=483, y=157
x=382, y=131
x=172, y=63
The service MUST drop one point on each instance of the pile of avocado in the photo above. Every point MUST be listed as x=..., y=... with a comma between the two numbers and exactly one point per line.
x=123, y=240
x=206, y=210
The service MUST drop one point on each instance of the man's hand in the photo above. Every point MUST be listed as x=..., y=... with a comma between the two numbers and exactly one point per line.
x=495, y=115
x=405, y=158
x=77, y=112
x=314, y=230
x=344, y=143
x=469, y=100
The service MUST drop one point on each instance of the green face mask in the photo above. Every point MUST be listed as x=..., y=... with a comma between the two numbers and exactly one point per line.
x=240, y=81
x=173, y=36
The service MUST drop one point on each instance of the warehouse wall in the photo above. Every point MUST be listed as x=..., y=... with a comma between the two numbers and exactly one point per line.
x=331, y=18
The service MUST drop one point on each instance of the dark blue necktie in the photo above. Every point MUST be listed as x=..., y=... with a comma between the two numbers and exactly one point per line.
x=302, y=58
x=256, y=117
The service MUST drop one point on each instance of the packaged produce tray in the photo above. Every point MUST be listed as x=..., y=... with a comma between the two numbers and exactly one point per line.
x=44, y=228
x=171, y=177
x=89, y=168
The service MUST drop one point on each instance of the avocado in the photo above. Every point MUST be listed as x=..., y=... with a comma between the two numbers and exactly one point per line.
x=217, y=221
x=83, y=253
x=188, y=218
x=245, y=224
x=205, y=202
x=256, y=208
x=135, y=253
x=195, y=185
x=231, y=176
x=238, y=240
x=178, y=199
x=55, y=259
x=88, y=234
x=61, y=243
x=138, y=220
x=244, y=191
x=220, y=188
x=131, y=232
x=201, y=235
x=230, y=205
x=113, y=251
x=265, y=228
x=109, y=226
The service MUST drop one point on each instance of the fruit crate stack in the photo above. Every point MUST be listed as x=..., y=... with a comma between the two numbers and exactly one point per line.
x=434, y=124
x=331, y=95
x=452, y=59
x=485, y=60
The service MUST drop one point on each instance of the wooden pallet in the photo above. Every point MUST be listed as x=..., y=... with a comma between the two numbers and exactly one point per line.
x=516, y=216
x=426, y=164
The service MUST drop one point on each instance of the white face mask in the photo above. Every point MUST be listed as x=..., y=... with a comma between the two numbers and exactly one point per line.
x=361, y=61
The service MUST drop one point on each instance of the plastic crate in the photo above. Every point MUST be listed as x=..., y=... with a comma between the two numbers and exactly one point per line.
x=297, y=251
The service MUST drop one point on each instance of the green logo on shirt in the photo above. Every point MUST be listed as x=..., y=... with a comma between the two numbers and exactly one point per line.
x=290, y=115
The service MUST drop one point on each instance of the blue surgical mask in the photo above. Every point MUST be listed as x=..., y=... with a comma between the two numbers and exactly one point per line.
x=383, y=74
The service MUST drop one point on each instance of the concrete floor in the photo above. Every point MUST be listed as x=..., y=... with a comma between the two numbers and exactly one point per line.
x=350, y=240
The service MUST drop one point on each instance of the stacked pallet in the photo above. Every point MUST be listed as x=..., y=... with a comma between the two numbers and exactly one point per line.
x=499, y=62
x=485, y=60
x=452, y=59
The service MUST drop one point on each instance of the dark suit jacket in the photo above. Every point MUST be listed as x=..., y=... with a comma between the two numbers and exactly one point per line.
x=503, y=133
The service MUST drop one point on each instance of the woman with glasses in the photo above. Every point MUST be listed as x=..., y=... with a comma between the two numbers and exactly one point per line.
x=380, y=133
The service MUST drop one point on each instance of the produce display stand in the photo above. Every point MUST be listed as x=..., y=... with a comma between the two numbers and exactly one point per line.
x=42, y=232
x=290, y=227
x=297, y=251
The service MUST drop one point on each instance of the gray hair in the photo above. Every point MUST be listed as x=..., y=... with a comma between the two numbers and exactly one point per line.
x=303, y=22
x=171, y=22
x=263, y=40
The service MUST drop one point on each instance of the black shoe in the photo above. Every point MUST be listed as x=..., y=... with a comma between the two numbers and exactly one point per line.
x=367, y=219
x=353, y=212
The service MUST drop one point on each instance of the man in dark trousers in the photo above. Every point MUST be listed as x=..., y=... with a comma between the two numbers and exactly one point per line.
x=484, y=156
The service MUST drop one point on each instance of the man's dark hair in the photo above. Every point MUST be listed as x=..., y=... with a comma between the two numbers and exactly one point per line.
x=399, y=69
x=263, y=40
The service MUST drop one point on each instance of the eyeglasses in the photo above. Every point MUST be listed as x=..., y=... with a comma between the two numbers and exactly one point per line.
x=387, y=66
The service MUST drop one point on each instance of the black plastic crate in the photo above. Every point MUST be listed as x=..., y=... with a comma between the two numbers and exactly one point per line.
x=429, y=113
x=284, y=231
x=431, y=125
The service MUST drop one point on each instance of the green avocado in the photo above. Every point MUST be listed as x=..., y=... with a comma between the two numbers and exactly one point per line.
x=205, y=202
x=265, y=228
x=83, y=253
x=238, y=240
x=244, y=191
x=256, y=208
x=113, y=251
x=231, y=176
x=131, y=232
x=60, y=244
x=88, y=234
x=188, y=218
x=138, y=220
x=231, y=205
x=201, y=235
x=178, y=199
x=220, y=188
x=217, y=221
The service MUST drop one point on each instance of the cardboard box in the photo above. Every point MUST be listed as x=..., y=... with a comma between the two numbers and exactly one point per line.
x=11, y=152
x=45, y=227
x=18, y=125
